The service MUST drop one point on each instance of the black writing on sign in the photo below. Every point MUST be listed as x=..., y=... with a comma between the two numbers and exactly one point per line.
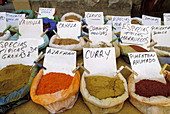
x=133, y=28
x=143, y=61
x=120, y=19
x=58, y=52
x=135, y=39
x=13, y=15
x=2, y=18
x=30, y=22
x=67, y=25
x=168, y=18
x=136, y=56
x=97, y=54
x=90, y=15
x=13, y=44
x=46, y=10
x=94, y=30
x=151, y=19
x=159, y=32
x=160, y=27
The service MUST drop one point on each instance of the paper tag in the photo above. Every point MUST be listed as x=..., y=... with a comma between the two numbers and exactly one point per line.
x=31, y=29
x=166, y=17
x=3, y=25
x=149, y=20
x=94, y=18
x=146, y=64
x=161, y=34
x=13, y=19
x=46, y=12
x=100, y=61
x=69, y=30
x=100, y=33
x=18, y=52
x=118, y=20
x=58, y=60
x=135, y=34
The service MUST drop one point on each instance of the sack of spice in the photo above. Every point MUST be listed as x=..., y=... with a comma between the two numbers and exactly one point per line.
x=68, y=44
x=150, y=96
x=40, y=47
x=104, y=94
x=5, y=36
x=15, y=83
x=55, y=91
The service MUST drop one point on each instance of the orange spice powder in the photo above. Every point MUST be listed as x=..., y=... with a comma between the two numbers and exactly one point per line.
x=53, y=82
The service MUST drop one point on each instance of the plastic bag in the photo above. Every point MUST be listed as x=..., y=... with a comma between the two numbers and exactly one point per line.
x=61, y=99
x=6, y=35
x=13, y=99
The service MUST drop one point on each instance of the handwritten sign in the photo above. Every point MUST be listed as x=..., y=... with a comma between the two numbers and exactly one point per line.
x=13, y=19
x=166, y=17
x=31, y=29
x=18, y=52
x=146, y=64
x=58, y=60
x=2, y=21
x=149, y=20
x=46, y=12
x=118, y=20
x=94, y=18
x=100, y=61
x=69, y=30
x=135, y=34
x=161, y=34
x=100, y=33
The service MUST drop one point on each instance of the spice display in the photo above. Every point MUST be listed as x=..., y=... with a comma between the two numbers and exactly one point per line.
x=72, y=17
x=104, y=87
x=138, y=49
x=149, y=88
x=13, y=78
x=46, y=25
x=53, y=82
x=1, y=34
x=65, y=41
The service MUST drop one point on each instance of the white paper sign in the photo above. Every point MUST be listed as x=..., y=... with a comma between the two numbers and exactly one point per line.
x=149, y=20
x=94, y=18
x=18, y=52
x=146, y=64
x=46, y=12
x=69, y=30
x=135, y=34
x=100, y=61
x=13, y=19
x=161, y=34
x=100, y=33
x=2, y=21
x=118, y=20
x=58, y=60
x=31, y=29
x=166, y=17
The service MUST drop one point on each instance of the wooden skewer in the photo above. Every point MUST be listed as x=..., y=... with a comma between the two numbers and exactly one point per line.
x=87, y=39
x=164, y=67
x=80, y=65
x=75, y=69
x=131, y=70
x=44, y=33
x=152, y=45
x=37, y=12
x=56, y=33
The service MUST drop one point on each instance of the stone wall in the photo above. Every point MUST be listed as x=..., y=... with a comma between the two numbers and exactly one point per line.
x=120, y=7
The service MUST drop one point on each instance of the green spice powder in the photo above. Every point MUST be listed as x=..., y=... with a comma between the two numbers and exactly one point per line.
x=104, y=87
x=13, y=78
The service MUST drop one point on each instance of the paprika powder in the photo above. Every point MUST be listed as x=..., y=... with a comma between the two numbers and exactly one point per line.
x=149, y=88
x=53, y=82
x=138, y=49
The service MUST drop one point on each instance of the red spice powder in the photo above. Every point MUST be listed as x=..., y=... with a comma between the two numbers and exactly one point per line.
x=149, y=88
x=138, y=49
x=53, y=82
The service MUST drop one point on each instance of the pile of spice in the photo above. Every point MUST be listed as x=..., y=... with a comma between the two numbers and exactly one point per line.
x=72, y=17
x=138, y=49
x=13, y=78
x=53, y=82
x=65, y=41
x=46, y=25
x=104, y=87
x=149, y=88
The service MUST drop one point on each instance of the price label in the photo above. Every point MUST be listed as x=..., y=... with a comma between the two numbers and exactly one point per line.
x=46, y=12
x=149, y=20
x=13, y=19
x=94, y=18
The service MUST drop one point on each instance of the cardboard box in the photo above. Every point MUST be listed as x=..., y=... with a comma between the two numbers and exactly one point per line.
x=21, y=4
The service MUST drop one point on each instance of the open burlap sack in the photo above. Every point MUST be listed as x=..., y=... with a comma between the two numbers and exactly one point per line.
x=108, y=105
x=152, y=105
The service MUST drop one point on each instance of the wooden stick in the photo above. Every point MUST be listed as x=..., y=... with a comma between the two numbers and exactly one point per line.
x=80, y=65
x=37, y=12
x=87, y=39
x=164, y=67
x=56, y=33
x=131, y=70
x=44, y=33
x=75, y=69
x=152, y=45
